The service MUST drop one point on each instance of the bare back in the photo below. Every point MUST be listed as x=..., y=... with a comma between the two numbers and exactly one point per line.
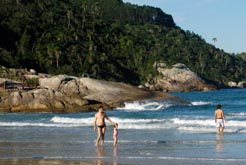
x=219, y=114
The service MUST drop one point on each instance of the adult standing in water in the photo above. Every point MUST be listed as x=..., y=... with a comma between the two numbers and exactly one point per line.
x=219, y=119
x=99, y=122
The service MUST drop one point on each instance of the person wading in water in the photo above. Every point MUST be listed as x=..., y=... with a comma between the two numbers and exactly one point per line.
x=99, y=123
x=219, y=119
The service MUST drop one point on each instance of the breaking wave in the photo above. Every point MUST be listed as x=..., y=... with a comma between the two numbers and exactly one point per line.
x=133, y=123
x=145, y=106
x=196, y=103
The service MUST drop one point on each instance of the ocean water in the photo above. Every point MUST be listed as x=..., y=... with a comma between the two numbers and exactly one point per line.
x=149, y=132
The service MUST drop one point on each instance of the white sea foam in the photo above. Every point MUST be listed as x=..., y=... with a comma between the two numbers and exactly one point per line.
x=207, y=129
x=126, y=123
x=197, y=103
x=188, y=158
x=193, y=122
x=209, y=122
x=231, y=160
x=174, y=123
x=68, y=120
x=234, y=123
x=145, y=106
x=29, y=124
x=242, y=131
x=240, y=114
x=196, y=129
x=181, y=124
x=154, y=105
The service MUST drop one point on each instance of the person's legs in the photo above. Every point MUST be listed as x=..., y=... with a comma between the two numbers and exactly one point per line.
x=99, y=135
x=103, y=134
x=115, y=140
x=221, y=129
x=221, y=126
x=218, y=127
x=218, y=130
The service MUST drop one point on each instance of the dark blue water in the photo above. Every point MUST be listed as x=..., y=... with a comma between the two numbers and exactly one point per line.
x=150, y=131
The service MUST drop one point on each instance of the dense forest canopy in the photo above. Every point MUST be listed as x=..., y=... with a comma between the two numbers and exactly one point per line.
x=107, y=39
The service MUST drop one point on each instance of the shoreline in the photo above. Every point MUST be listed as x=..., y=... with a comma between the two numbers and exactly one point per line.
x=174, y=135
x=95, y=161
x=73, y=94
x=41, y=161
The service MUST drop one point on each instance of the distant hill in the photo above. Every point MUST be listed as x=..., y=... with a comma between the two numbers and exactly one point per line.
x=106, y=39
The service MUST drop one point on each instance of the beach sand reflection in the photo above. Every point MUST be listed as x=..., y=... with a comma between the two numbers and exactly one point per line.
x=100, y=154
x=115, y=155
x=219, y=143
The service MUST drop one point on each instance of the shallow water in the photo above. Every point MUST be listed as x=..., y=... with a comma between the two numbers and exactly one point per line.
x=155, y=132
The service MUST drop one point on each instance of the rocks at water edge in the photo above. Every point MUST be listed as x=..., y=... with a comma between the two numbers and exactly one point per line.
x=177, y=78
x=233, y=84
x=64, y=93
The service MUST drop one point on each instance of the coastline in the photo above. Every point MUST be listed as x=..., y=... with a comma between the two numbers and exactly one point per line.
x=40, y=161
x=63, y=93
x=171, y=135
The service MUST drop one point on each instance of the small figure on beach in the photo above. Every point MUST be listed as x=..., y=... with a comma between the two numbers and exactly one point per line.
x=99, y=122
x=115, y=134
x=219, y=119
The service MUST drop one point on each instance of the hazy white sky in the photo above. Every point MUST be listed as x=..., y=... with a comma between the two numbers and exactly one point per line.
x=221, y=19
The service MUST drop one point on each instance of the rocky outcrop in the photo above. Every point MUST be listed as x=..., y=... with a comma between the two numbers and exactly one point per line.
x=233, y=84
x=64, y=93
x=177, y=78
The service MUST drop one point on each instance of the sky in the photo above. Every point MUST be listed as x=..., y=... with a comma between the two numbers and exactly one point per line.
x=224, y=20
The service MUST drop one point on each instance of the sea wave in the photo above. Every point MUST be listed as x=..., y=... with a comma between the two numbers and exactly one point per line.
x=240, y=114
x=69, y=120
x=31, y=124
x=154, y=105
x=181, y=124
x=197, y=103
x=148, y=157
x=208, y=122
x=145, y=106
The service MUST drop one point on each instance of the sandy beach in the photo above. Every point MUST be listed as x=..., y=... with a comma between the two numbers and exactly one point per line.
x=92, y=162
x=42, y=162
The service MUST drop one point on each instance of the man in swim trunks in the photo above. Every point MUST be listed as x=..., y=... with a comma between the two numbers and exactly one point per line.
x=99, y=122
x=219, y=119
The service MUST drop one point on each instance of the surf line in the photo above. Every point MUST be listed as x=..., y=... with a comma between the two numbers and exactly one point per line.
x=160, y=158
x=182, y=158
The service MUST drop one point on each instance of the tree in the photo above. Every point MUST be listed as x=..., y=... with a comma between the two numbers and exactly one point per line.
x=214, y=40
x=76, y=37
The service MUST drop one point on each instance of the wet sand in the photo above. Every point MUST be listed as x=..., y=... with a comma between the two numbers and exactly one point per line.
x=42, y=162
x=98, y=162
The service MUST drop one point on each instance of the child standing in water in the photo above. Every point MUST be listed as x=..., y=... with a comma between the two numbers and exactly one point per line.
x=115, y=134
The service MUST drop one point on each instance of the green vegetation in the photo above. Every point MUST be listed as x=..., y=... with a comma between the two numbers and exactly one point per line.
x=106, y=39
x=32, y=82
x=3, y=94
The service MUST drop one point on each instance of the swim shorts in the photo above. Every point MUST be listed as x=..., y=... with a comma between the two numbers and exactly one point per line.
x=220, y=123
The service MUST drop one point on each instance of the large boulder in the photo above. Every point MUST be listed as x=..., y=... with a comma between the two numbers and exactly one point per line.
x=66, y=94
x=52, y=82
x=179, y=78
x=110, y=92
x=241, y=84
x=232, y=84
x=37, y=100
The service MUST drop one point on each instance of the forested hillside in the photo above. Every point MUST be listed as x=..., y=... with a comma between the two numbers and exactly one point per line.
x=106, y=39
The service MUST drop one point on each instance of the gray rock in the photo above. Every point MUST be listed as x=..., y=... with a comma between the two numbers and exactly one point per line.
x=232, y=84
x=180, y=78
x=241, y=84
x=67, y=94
x=52, y=82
